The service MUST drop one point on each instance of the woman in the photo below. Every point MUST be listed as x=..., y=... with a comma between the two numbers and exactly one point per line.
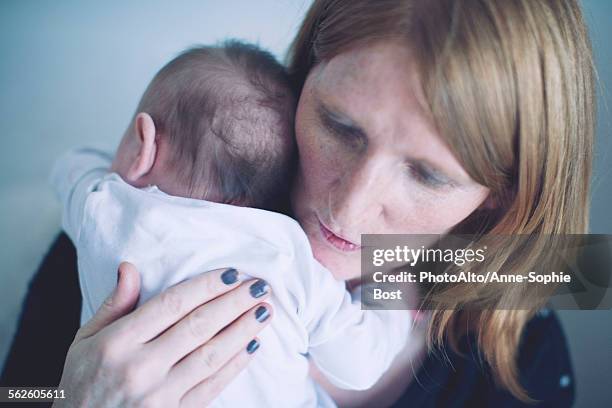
x=414, y=117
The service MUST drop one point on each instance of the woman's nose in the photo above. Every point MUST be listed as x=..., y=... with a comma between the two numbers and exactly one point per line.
x=359, y=195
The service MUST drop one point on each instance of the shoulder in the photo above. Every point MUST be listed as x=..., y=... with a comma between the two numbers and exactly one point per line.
x=455, y=380
x=544, y=361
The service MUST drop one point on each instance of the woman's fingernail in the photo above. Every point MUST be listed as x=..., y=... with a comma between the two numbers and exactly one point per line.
x=230, y=276
x=259, y=288
x=261, y=314
x=252, y=346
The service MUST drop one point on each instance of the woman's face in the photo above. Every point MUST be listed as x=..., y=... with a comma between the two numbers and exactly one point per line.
x=371, y=160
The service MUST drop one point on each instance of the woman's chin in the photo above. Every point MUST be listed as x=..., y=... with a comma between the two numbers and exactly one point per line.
x=342, y=266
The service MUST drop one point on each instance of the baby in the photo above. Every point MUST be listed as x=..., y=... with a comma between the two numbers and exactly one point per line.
x=208, y=153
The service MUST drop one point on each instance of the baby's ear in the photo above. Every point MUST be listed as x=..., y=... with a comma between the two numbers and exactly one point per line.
x=144, y=132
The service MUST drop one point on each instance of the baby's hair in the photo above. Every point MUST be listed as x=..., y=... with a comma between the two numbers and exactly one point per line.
x=227, y=115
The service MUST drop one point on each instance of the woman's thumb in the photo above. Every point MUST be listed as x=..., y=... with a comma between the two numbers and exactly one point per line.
x=117, y=304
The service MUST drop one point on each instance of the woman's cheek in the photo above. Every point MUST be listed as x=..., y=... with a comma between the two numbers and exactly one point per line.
x=318, y=165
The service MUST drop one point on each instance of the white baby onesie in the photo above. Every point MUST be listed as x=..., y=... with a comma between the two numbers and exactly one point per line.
x=170, y=239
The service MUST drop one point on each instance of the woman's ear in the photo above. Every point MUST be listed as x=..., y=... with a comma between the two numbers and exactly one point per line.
x=144, y=132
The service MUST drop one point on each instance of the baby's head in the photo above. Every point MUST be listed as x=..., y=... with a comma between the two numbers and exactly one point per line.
x=216, y=123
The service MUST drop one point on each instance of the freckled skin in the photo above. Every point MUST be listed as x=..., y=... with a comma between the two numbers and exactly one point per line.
x=356, y=188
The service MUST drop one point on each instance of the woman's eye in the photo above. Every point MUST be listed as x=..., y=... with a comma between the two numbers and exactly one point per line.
x=427, y=178
x=344, y=132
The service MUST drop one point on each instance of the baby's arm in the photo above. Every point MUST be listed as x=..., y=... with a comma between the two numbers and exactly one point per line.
x=352, y=347
x=74, y=176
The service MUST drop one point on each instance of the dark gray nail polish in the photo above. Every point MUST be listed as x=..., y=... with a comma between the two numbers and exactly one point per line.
x=252, y=346
x=261, y=314
x=259, y=288
x=230, y=276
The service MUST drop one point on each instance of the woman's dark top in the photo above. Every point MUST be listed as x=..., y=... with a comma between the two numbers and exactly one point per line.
x=51, y=312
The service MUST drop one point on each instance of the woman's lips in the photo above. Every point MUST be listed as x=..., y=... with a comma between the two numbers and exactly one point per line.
x=336, y=241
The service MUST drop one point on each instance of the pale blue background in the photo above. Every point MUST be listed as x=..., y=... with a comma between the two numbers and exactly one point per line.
x=71, y=73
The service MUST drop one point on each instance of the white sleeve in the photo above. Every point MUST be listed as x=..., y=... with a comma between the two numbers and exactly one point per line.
x=352, y=347
x=74, y=175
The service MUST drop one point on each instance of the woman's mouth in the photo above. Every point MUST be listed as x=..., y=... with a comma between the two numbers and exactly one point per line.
x=337, y=241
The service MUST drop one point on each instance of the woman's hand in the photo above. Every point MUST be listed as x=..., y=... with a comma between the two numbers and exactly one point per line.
x=178, y=349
